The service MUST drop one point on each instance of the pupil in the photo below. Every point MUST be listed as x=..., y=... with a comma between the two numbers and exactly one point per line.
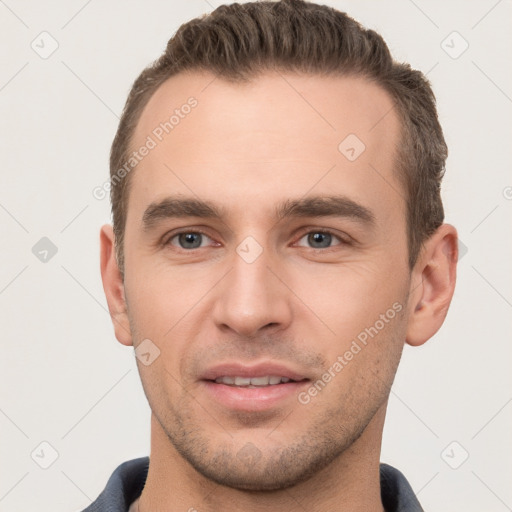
x=324, y=239
x=190, y=240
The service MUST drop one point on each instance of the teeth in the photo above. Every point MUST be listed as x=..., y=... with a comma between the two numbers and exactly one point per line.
x=269, y=380
x=260, y=381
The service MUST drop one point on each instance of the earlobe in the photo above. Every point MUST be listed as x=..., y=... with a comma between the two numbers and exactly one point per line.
x=113, y=286
x=432, y=285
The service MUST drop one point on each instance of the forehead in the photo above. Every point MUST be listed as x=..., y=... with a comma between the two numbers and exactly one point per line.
x=208, y=135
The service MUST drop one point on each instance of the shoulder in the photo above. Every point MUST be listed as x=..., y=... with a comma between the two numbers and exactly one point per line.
x=396, y=492
x=123, y=487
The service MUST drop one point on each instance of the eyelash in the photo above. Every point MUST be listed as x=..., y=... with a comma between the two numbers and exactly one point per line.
x=303, y=234
x=341, y=240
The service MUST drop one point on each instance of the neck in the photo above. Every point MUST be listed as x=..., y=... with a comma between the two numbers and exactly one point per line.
x=350, y=482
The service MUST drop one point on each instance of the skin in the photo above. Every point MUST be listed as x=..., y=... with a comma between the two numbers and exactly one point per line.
x=248, y=147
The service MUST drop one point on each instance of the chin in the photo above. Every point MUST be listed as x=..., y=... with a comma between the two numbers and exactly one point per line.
x=265, y=470
x=260, y=479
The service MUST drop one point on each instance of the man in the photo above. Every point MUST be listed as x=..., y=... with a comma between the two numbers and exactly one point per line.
x=277, y=237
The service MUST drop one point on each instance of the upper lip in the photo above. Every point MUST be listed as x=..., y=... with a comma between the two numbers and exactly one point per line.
x=251, y=370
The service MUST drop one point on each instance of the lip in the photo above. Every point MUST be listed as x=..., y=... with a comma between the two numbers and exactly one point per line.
x=252, y=399
x=254, y=370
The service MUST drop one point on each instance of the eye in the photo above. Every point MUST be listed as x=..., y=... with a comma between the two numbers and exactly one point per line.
x=319, y=239
x=188, y=240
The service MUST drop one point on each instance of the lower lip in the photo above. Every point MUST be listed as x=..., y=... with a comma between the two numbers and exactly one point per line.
x=252, y=399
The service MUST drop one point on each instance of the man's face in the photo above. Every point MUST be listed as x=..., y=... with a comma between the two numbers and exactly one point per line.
x=254, y=294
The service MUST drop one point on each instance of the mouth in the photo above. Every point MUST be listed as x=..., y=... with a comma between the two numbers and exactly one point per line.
x=253, y=382
x=252, y=388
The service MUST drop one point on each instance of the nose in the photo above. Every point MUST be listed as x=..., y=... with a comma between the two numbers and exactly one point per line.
x=252, y=299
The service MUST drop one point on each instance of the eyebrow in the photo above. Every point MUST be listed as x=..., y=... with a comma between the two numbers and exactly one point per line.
x=316, y=206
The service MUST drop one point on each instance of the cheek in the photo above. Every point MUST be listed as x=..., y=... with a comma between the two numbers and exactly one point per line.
x=361, y=362
x=348, y=299
x=167, y=305
x=161, y=296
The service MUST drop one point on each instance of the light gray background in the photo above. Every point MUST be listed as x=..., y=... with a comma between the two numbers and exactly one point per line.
x=65, y=379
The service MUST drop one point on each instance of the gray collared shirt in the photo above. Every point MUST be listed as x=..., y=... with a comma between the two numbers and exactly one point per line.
x=127, y=481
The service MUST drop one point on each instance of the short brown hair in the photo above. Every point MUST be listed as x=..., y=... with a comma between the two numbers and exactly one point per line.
x=239, y=41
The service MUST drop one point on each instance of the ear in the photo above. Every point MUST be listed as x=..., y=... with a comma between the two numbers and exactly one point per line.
x=113, y=286
x=432, y=285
